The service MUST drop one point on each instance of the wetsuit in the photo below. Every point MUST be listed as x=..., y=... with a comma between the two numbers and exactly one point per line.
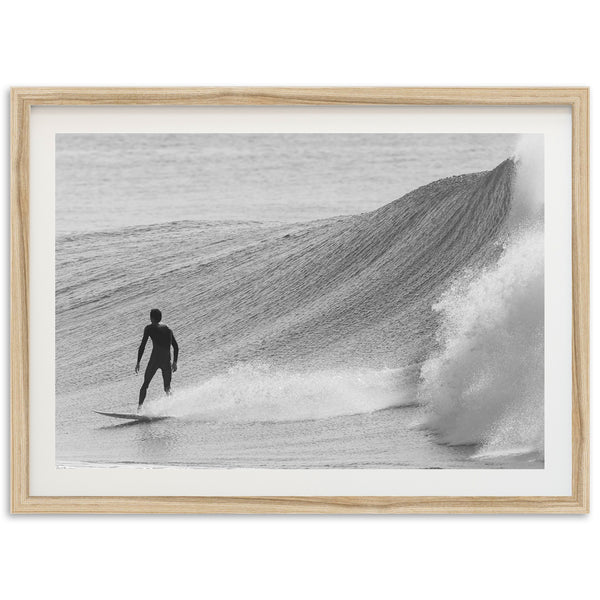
x=162, y=339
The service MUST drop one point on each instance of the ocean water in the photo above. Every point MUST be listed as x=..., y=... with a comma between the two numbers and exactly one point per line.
x=110, y=181
x=330, y=311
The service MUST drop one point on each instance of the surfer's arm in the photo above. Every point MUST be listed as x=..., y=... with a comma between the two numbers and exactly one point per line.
x=175, y=352
x=142, y=348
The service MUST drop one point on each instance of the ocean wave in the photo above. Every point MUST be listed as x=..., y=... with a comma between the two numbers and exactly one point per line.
x=485, y=385
x=346, y=292
x=442, y=288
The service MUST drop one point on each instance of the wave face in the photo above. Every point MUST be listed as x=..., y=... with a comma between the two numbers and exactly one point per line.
x=351, y=314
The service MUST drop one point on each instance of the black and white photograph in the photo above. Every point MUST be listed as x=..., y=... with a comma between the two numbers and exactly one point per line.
x=300, y=300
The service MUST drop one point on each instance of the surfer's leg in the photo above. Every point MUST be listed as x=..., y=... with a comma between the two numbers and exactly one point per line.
x=166, y=373
x=148, y=375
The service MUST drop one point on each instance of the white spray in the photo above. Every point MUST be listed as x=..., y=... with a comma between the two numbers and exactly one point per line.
x=486, y=384
x=253, y=392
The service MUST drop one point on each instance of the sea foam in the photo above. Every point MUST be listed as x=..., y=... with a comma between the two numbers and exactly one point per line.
x=254, y=392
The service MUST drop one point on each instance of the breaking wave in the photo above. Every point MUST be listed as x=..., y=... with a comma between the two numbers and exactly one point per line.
x=436, y=297
x=485, y=385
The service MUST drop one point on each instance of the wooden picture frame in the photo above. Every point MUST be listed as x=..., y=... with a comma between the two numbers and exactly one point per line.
x=22, y=101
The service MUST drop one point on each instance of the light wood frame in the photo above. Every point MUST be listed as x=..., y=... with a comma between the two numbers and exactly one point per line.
x=22, y=99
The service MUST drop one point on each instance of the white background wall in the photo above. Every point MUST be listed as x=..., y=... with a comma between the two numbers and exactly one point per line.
x=524, y=42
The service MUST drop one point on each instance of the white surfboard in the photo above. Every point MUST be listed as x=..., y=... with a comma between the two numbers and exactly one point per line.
x=132, y=416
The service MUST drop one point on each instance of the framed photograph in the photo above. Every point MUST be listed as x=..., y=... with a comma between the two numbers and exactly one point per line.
x=300, y=300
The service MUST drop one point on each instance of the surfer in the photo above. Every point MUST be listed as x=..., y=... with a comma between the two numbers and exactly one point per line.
x=162, y=339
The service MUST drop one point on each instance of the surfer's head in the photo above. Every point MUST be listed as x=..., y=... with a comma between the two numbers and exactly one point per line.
x=155, y=315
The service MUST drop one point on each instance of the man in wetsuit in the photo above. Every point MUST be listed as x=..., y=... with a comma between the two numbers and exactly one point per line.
x=162, y=339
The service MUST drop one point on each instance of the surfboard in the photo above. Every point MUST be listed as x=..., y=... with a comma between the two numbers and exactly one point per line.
x=132, y=416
